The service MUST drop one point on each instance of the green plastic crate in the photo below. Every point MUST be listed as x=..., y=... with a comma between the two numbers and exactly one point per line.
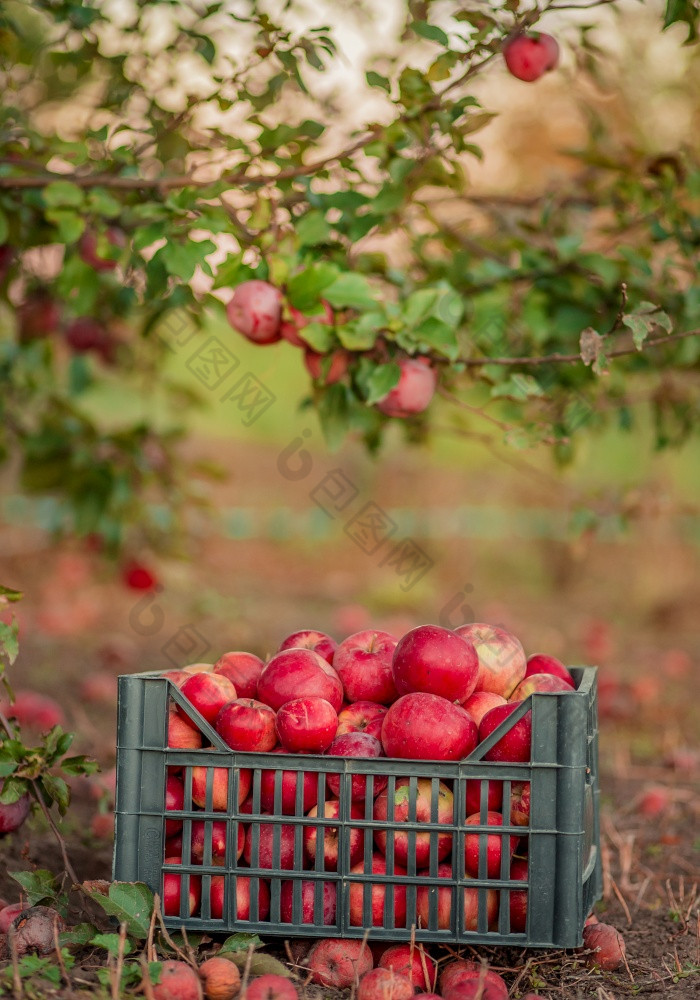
x=564, y=875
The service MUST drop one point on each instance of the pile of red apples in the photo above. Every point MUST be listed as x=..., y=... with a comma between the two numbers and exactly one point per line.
x=432, y=695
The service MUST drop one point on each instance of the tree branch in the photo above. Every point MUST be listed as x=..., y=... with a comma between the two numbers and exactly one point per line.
x=551, y=359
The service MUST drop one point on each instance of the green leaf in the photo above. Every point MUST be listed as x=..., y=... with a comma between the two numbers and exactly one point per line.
x=318, y=335
x=240, y=942
x=518, y=387
x=381, y=381
x=130, y=903
x=79, y=935
x=80, y=765
x=4, y=227
x=350, y=290
x=63, y=194
x=360, y=334
x=377, y=80
x=9, y=641
x=38, y=885
x=687, y=11
x=101, y=202
x=260, y=965
x=439, y=336
x=69, y=224
x=431, y=32
x=641, y=327
x=10, y=595
x=57, y=790
x=312, y=229
x=111, y=943
x=304, y=289
x=13, y=789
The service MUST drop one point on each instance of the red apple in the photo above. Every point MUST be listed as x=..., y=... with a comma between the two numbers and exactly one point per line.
x=175, y=980
x=538, y=663
x=327, y=368
x=518, y=897
x=183, y=734
x=463, y=971
x=502, y=662
x=306, y=895
x=271, y=987
x=435, y=660
x=494, y=795
x=443, y=897
x=330, y=837
x=481, y=702
x=13, y=814
x=530, y=56
x=414, y=390
x=339, y=963
x=208, y=693
x=255, y=310
x=298, y=673
x=379, y=896
x=288, y=781
x=520, y=803
x=172, y=890
x=275, y=839
x=319, y=642
x=99, y=250
x=213, y=834
x=477, y=987
x=178, y=678
x=174, y=800
x=538, y=682
x=424, y=726
x=360, y=745
x=38, y=316
x=244, y=888
x=515, y=745
x=243, y=670
x=492, y=844
x=363, y=662
x=8, y=914
x=246, y=724
x=34, y=711
x=362, y=717
x=219, y=786
x=306, y=725
x=607, y=944
x=87, y=334
x=426, y=811
x=412, y=961
x=385, y=984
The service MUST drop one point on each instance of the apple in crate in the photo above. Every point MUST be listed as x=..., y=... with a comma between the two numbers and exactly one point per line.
x=248, y=725
x=363, y=662
x=518, y=897
x=443, y=897
x=306, y=725
x=330, y=837
x=208, y=693
x=502, y=661
x=355, y=745
x=214, y=833
x=244, y=888
x=271, y=834
x=539, y=663
x=307, y=902
x=432, y=805
x=481, y=702
x=319, y=642
x=378, y=892
x=520, y=803
x=174, y=800
x=493, y=846
x=288, y=789
x=514, y=746
x=424, y=726
x=494, y=795
x=299, y=673
x=220, y=782
x=183, y=734
x=539, y=682
x=362, y=717
x=435, y=660
x=172, y=890
x=243, y=670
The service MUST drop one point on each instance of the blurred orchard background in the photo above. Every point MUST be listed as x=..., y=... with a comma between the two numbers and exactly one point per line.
x=243, y=525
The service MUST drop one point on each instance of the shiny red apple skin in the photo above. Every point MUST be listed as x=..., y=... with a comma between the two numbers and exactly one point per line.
x=243, y=670
x=174, y=800
x=444, y=903
x=297, y=673
x=378, y=894
x=288, y=789
x=244, y=887
x=362, y=717
x=360, y=745
x=518, y=897
x=481, y=702
x=539, y=682
x=514, y=747
x=219, y=787
x=248, y=725
x=435, y=660
x=308, y=895
x=208, y=693
x=363, y=662
x=494, y=846
x=306, y=725
x=423, y=813
x=172, y=890
x=330, y=836
x=319, y=642
x=423, y=726
x=266, y=846
x=502, y=661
